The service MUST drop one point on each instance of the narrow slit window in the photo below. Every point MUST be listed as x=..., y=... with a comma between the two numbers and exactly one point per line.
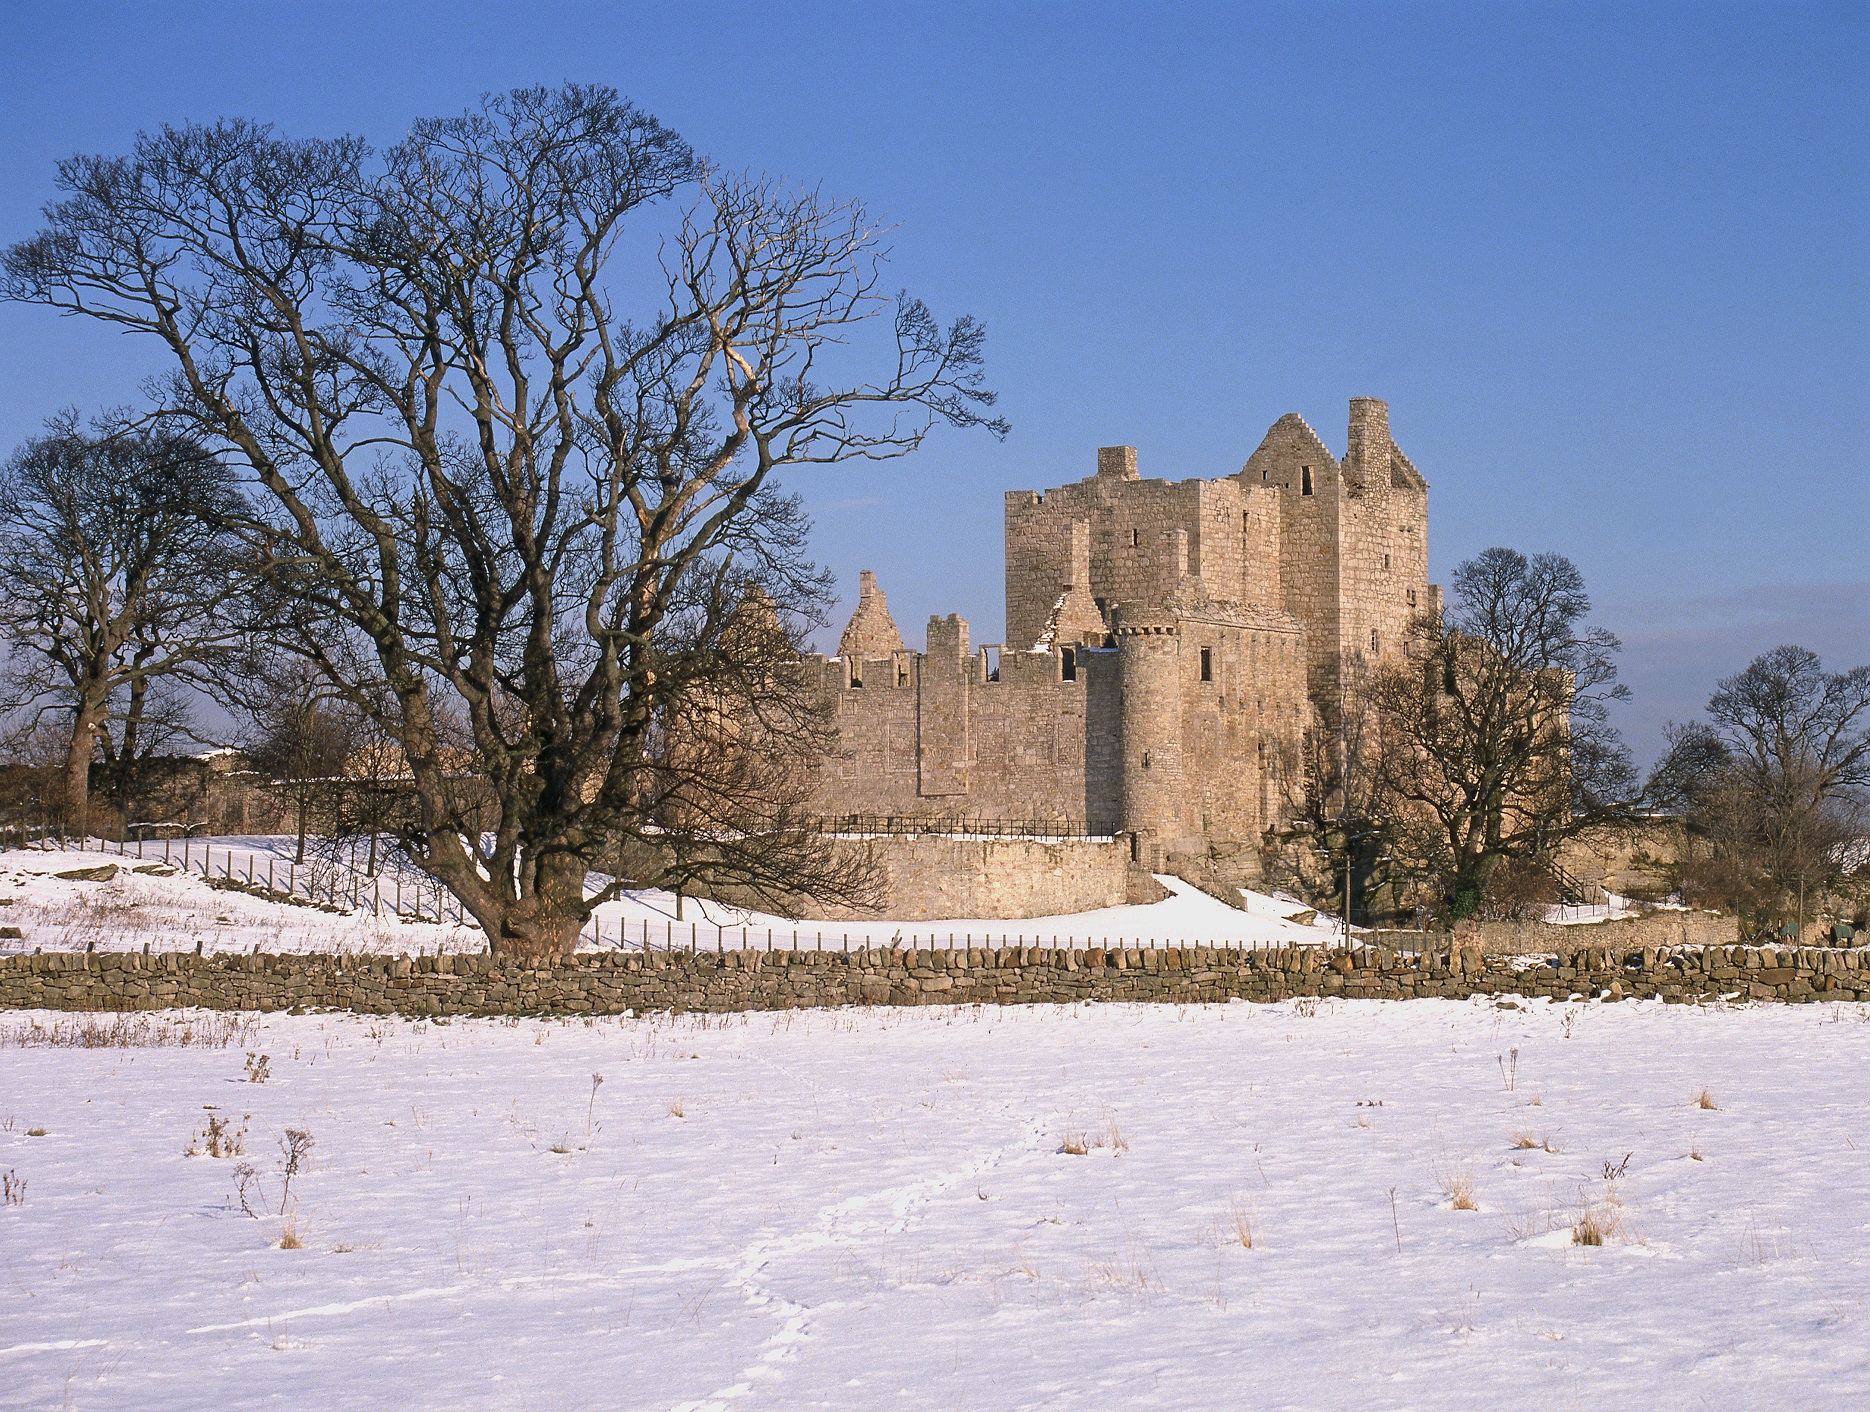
x=1386, y=561
x=1305, y=480
x=1207, y=664
x=1411, y=597
x=1136, y=538
x=1375, y=642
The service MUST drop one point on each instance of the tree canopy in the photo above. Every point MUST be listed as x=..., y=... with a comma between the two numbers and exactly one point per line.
x=513, y=397
x=1492, y=738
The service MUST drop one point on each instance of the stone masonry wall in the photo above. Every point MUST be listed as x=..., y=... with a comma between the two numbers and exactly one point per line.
x=1035, y=744
x=616, y=983
x=940, y=875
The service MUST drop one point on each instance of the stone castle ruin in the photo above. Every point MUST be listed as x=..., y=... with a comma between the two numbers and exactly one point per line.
x=1169, y=644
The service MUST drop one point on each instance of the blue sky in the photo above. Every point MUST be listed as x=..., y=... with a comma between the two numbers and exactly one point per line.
x=1607, y=263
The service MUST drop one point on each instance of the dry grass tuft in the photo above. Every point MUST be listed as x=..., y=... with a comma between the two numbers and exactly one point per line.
x=1239, y=1227
x=1456, y=1180
x=1078, y=1141
x=1704, y=1099
x=1600, y=1222
x=289, y=1237
x=219, y=1138
x=676, y=1110
x=1526, y=1142
x=112, y=1030
x=1133, y=1272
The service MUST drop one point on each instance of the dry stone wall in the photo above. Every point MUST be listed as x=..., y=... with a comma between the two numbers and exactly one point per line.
x=634, y=982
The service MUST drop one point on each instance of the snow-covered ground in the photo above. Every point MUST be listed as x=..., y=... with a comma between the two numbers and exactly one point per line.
x=171, y=909
x=1609, y=910
x=867, y=1208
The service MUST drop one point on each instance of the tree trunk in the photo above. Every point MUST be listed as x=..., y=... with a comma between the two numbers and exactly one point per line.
x=78, y=768
x=544, y=924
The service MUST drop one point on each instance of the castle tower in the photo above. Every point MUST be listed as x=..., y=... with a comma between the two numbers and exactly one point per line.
x=942, y=714
x=1155, y=788
x=1353, y=542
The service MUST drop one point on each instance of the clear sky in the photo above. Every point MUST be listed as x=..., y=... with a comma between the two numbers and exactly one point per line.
x=1606, y=263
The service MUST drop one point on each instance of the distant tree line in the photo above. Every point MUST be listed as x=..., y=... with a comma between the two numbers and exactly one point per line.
x=1457, y=774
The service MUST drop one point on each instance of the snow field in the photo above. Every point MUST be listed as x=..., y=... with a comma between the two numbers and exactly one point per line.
x=877, y=1207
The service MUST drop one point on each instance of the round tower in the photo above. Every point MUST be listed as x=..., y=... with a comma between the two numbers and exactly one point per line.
x=1149, y=656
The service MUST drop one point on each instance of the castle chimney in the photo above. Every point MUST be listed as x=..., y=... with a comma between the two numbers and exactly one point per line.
x=871, y=632
x=1080, y=578
x=1117, y=461
x=1177, y=557
x=1367, y=450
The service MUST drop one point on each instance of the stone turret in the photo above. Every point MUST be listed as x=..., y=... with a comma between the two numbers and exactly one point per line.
x=1149, y=645
x=871, y=632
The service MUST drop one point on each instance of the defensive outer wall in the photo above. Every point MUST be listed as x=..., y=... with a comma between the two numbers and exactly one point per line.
x=624, y=982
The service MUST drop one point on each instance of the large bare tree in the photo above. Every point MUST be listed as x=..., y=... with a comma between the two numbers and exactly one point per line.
x=1492, y=738
x=119, y=585
x=515, y=395
x=1772, y=785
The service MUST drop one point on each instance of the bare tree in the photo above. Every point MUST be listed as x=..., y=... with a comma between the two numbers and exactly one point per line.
x=1492, y=738
x=1772, y=785
x=117, y=578
x=1329, y=784
x=299, y=739
x=489, y=489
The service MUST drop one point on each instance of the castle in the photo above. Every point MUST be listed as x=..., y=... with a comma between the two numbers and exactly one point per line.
x=1169, y=645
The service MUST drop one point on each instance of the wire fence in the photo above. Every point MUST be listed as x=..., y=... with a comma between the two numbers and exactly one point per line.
x=323, y=882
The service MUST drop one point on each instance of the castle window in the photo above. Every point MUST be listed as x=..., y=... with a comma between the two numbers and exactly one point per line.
x=1386, y=561
x=1070, y=667
x=1136, y=538
x=857, y=676
x=1411, y=597
x=1207, y=664
x=902, y=674
x=1375, y=642
x=1305, y=480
